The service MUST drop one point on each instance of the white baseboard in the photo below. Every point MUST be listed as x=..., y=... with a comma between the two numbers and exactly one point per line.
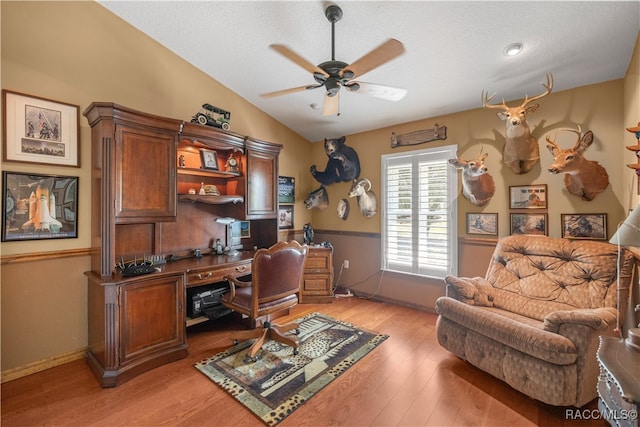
x=41, y=365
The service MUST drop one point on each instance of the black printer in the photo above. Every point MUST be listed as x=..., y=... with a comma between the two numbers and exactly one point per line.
x=206, y=301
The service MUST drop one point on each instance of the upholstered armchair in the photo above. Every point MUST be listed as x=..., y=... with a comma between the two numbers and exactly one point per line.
x=273, y=286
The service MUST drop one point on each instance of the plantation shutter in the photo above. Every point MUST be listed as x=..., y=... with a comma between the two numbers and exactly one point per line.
x=419, y=220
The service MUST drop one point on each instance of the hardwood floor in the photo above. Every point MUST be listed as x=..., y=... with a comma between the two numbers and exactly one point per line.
x=409, y=380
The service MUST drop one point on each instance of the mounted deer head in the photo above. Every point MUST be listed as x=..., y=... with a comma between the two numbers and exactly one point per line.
x=477, y=185
x=583, y=178
x=520, y=151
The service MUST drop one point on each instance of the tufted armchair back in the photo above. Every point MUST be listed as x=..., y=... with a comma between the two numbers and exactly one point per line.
x=535, y=275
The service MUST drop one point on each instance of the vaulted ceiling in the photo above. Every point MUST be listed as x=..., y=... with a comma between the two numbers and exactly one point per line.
x=453, y=51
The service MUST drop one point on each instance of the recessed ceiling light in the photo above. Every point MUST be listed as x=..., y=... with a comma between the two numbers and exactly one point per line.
x=513, y=49
x=314, y=106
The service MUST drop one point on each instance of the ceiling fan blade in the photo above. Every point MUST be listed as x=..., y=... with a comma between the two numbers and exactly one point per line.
x=379, y=91
x=288, y=91
x=297, y=59
x=378, y=56
x=331, y=105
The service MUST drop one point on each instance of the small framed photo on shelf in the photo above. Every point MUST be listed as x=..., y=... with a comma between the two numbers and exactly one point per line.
x=209, y=159
x=39, y=130
x=531, y=224
x=285, y=217
x=528, y=196
x=584, y=226
x=38, y=207
x=482, y=223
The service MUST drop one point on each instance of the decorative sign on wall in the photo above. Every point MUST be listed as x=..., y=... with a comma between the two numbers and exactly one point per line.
x=419, y=136
x=286, y=190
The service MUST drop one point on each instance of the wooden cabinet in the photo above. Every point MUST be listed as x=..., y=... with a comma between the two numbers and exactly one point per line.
x=317, y=285
x=262, y=179
x=133, y=180
x=135, y=325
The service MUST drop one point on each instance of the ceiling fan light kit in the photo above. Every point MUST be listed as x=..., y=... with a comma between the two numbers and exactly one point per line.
x=333, y=75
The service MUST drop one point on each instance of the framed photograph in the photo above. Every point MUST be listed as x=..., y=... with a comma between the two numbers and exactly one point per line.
x=525, y=223
x=38, y=207
x=245, y=229
x=286, y=189
x=482, y=223
x=209, y=159
x=39, y=130
x=285, y=217
x=528, y=196
x=584, y=226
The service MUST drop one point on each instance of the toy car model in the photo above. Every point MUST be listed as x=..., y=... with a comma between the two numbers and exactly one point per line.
x=213, y=116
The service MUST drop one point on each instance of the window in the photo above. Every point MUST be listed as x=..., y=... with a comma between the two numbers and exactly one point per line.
x=419, y=214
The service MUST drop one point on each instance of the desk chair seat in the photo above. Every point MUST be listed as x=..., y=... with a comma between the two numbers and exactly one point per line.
x=273, y=286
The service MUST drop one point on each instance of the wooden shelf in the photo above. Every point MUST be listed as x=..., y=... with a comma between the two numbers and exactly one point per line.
x=195, y=321
x=210, y=199
x=206, y=172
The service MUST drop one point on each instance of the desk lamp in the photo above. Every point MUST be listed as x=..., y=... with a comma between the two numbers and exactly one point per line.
x=231, y=245
x=628, y=236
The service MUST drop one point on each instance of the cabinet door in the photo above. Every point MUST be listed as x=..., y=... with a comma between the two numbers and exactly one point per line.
x=145, y=175
x=262, y=185
x=152, y=317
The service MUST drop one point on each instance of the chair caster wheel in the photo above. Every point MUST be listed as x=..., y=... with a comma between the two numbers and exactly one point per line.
x=296, y=331
x=235, y=342
x=295, y=351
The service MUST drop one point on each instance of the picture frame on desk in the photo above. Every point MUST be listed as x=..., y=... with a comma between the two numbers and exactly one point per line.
x=40, y=130
x=39, y=207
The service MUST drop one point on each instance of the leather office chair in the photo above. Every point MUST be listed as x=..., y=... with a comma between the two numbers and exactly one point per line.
x=274, y=285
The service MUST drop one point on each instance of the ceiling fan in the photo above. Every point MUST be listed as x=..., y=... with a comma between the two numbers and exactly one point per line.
x=336, y=74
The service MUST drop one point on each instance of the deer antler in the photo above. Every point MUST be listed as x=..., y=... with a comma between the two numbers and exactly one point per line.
x=576, y=131
x=548, y=86
x=486, y=99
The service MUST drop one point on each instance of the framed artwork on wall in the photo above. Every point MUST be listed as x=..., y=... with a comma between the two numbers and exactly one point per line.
x=528, y=196
x=285, y=217
x=38, y=207
x=39, y=130
x=286, y=190
x=584, y=226
x=482, y=223
x=526, y=223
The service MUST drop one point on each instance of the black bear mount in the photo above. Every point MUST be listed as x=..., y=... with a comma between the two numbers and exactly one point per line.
x=343, y=164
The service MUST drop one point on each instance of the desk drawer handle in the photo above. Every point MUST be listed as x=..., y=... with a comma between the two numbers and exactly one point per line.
x=241, y=268
x=204, y=276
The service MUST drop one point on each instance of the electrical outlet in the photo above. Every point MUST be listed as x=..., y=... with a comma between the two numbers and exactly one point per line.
x=345, y=263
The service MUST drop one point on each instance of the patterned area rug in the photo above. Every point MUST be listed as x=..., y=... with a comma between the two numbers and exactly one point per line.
x=280, y=382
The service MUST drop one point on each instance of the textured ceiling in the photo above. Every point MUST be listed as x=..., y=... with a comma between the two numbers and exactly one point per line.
x=453, y=51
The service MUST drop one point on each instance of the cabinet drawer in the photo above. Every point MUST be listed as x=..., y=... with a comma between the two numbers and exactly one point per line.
x=212, y=275
x=317, y=263
x=316, y=284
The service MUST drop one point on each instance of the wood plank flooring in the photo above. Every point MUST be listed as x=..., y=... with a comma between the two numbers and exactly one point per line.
x=409, y=380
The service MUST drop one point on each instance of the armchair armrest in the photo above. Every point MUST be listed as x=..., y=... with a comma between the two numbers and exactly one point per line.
x=233, y=282
x=472, y=290
x=594, y=318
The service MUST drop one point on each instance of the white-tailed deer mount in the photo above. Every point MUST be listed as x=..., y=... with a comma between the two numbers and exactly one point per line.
x=521, y=151
x=583, y=178
x=477, y=185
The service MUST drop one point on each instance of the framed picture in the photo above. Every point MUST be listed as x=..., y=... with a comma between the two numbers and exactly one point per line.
x=525, y=223
x=286, y=189
x=285, y=217
x=39, y=130
x=39, y=207
x=245, y=229
x=584, y=226
x=209, y=159
x=528, y=196
x=482, y=223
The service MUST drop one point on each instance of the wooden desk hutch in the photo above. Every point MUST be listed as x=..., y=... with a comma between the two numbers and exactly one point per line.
x=143, y=168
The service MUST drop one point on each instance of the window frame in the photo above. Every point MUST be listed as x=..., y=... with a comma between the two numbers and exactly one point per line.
x=440, y=154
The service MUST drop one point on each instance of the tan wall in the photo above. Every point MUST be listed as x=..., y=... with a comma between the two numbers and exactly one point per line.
x=88, y=54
